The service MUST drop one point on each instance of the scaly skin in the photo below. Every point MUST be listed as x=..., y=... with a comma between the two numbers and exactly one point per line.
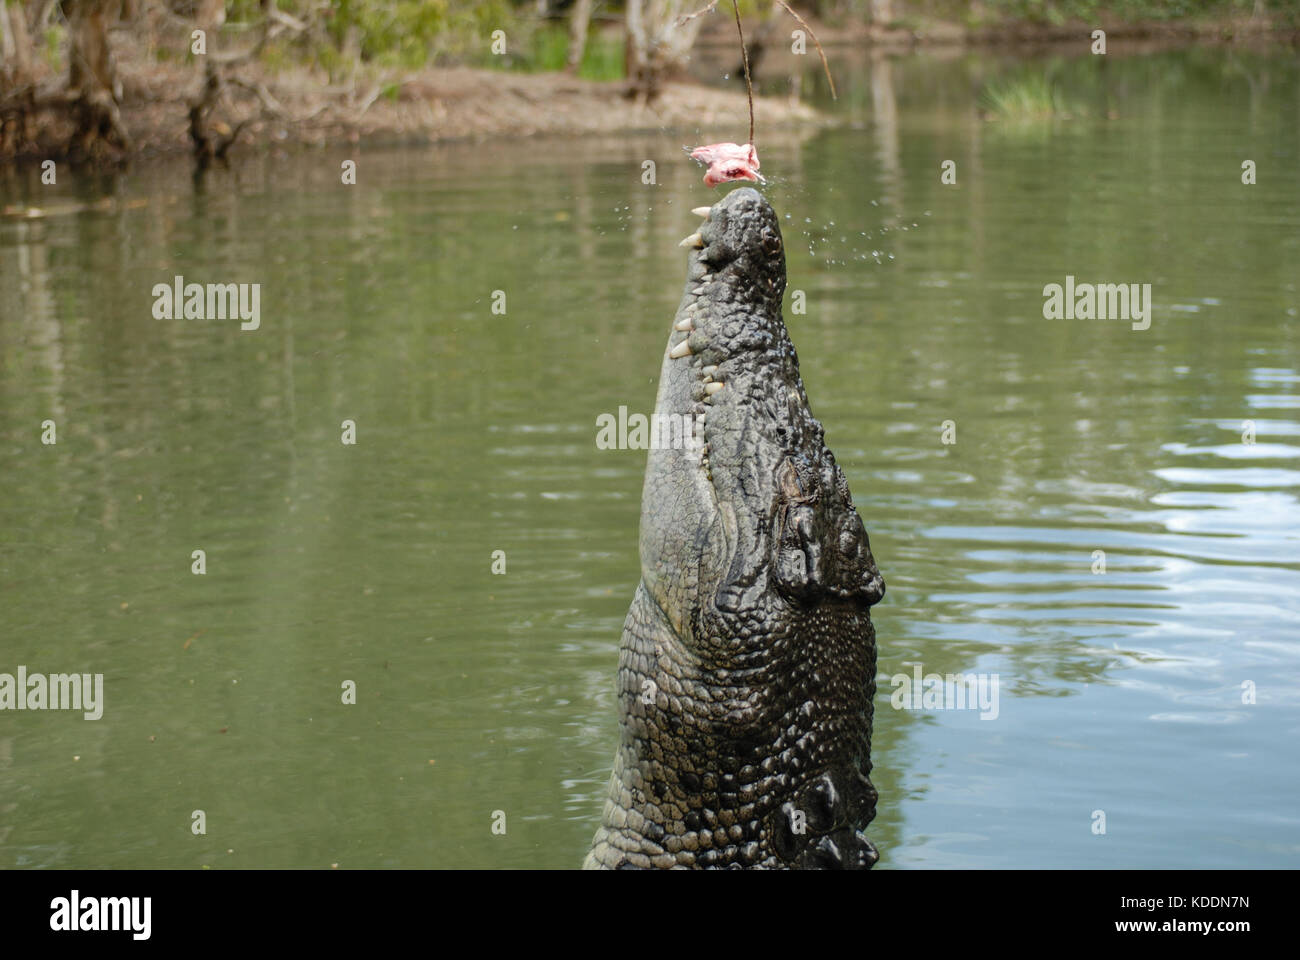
x=748, y=661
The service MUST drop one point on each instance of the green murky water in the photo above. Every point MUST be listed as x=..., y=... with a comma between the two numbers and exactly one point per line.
x=1120, y=692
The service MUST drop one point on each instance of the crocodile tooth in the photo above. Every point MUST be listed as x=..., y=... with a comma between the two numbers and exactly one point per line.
x=682, y=349
x=702, y=211
x=712, y=387
x=683, y=324
x=694, y=240
x=710, y=370
x=697, y=291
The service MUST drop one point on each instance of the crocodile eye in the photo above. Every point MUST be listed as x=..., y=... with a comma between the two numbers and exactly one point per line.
x=770, y=242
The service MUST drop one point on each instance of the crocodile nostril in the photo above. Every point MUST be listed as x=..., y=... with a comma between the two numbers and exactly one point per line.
x=820, y=803
x=785, y=840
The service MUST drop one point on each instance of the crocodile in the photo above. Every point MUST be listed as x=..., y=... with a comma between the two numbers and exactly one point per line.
x=748, y=659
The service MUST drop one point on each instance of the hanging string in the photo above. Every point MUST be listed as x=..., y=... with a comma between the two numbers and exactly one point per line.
x=749, y=86
x=744, y=51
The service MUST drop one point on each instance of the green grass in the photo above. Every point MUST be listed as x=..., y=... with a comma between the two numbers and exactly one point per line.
x=548, y=49
x=1027, y=99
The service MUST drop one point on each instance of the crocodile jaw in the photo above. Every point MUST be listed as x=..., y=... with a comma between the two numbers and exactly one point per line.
x=756, y=503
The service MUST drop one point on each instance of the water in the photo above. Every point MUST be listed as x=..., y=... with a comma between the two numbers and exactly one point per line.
x=1120, y=692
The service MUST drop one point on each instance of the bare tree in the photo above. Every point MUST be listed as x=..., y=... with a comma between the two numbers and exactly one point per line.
x=93, y=84
x=659, y=41
x=579, y=20
x=19, y=98
x=211, y=138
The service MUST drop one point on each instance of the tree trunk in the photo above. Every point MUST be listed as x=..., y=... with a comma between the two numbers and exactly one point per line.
x=15, y=45
x=6, y=38
x=657, y=47
x=92, y=77
x=578, y=23
x=40, y=20
x=22, y=41
x=17, y=91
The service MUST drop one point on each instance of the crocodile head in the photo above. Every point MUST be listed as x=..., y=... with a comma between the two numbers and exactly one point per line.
x=747, y=666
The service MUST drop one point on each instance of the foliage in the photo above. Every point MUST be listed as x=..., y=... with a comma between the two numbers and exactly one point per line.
x=602, y=58
x=397, y=33
x=1027, y=98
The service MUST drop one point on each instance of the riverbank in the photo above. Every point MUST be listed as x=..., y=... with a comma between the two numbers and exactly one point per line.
x=299, y=105
x=431, y=105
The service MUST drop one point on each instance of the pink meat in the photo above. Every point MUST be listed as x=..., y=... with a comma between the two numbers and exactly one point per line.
x=727, y=162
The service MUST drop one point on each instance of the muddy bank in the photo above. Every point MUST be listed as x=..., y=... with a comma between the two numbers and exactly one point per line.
x=437, y=104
